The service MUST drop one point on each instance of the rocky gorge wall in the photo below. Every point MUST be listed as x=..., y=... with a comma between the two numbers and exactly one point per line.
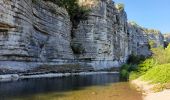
x=32, y=33
x=103, y=36
x=37, y=32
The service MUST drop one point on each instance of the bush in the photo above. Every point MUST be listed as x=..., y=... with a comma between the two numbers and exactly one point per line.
x=158, y=74
x=77, y=48
x=146, y=65
x=142, y=68
x=120, y=6
x=134, y=59
x=76, y=12
x=161, y=55
x=134, y=75
x=125, y=71
x=155, y=69
x=152, y=44
x=130, y=69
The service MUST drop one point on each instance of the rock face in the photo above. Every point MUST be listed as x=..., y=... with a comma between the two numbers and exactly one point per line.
x=33, y=32
x=38, y=32
x=157, y=38
x=138, y=41
x=167, y=38
x=103, y=37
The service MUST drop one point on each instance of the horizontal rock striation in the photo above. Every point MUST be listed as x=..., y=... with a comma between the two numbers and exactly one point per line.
x=103, y=36
x=35, y=33
x=32, y=32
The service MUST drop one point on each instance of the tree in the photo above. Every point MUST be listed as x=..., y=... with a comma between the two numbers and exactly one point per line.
x=120, y=6
x=76, y=12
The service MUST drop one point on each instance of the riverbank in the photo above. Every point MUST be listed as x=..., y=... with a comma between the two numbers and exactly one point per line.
x=148, y=93
x=14, y=77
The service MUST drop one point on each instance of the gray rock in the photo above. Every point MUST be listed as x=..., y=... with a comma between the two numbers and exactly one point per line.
x=34, y=34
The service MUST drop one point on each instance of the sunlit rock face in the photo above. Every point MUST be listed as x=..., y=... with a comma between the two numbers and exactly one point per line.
x=103, y=36
x=38, y=32
x=88, y=3
x=138, y=41
x=167, y=37
x=157, y=38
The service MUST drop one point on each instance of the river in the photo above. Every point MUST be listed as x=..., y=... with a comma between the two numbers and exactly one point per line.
x=83, y=87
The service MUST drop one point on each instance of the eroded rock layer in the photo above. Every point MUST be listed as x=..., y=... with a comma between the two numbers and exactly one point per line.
x=36, y=33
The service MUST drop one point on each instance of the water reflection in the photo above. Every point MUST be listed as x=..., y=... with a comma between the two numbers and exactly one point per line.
x=36, y=86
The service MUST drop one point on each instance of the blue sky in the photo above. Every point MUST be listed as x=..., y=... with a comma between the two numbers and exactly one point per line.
x=149, y=13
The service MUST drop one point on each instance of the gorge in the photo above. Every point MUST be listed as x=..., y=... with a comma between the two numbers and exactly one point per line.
x=35, y=35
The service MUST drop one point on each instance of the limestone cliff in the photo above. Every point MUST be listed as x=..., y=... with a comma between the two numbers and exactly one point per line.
x=138, y=40
x=103, y=36
x=155, y=36
x=167, y=37
x=38, y=32
x=33, y=32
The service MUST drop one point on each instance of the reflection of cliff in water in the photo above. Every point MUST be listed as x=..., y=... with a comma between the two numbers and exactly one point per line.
x=71, y=83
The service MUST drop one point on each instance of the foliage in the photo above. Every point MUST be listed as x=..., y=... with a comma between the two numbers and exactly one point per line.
x=133, y=23
x=161, y=55
x=146, y=65
x=120, y=6
x=134, y=75
x=130, y=69
x=155, y=69
x=152, y=44
x=151, y=31
x=142, y=68
x=158, y=74
x=126, y=70
x=77, y=48
x=75, y=11
x=134, y=59
x=159, y=87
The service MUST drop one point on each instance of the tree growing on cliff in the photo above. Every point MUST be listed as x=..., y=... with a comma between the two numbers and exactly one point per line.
x=76, y=12
x=120, y=6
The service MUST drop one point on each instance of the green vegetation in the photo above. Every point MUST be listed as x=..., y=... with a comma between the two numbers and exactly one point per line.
x=120, y=6
x=131, y=66
x=76, y=12
x=151, y=31
x=77, y=48
x=158, y=74
x=152, y=44
x=133, y=23
x=155, y=69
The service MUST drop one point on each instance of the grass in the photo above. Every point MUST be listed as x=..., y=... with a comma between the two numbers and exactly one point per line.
x=130, y=68
x=158, y=74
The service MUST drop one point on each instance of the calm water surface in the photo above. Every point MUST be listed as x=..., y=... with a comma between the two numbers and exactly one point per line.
x=89, y=87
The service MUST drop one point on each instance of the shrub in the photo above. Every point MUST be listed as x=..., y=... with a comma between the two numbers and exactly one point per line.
x=120, y=6
x=158, y=74
x=77, y=48
x=76, y=12
x=125, y=71
x=134, y=59
x=152, y=44
x=130, y=69
x=134, y=75
x=146, y=65
x=161, y=55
